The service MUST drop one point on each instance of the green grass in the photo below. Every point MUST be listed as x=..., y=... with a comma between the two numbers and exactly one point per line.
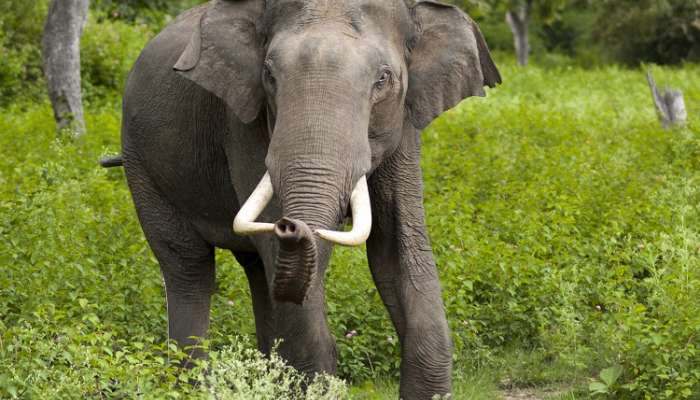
x=563, y=219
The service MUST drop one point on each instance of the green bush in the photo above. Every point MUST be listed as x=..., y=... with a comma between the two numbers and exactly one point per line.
x=241, y=373
x=108, y=50
x=21, y=25
x=571, y=34
x=666, y=32
x=153, y=12
x=655, y=346
x=109, y=47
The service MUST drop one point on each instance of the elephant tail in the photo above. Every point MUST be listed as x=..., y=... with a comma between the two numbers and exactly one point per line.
x=112, y=161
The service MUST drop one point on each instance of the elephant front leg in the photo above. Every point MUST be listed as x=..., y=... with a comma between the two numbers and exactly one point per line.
x=405, y=273
x=415, y=304
x=426, y=365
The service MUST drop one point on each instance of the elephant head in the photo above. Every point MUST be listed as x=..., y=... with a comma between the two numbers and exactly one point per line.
x=339, y=82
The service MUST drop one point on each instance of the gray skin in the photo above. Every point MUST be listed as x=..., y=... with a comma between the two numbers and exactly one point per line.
x=318, y=93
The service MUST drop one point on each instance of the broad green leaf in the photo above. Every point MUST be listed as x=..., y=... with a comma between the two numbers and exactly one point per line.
x=610, y=375
x=598, y=388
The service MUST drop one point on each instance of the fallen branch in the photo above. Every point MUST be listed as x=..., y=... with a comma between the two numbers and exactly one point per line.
x=670, y=106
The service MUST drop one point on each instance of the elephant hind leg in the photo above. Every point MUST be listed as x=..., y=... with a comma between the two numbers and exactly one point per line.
x=262, y=305
x=189, y=284
x=186, y=262
x=189, y=276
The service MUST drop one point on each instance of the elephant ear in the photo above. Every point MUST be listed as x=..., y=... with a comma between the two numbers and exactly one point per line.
x=224, y=55
x=449, y=62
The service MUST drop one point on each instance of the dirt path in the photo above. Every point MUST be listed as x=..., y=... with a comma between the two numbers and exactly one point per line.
x=516, y=393
x=520, y=394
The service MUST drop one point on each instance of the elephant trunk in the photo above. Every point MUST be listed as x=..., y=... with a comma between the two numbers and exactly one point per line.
x=311, y=198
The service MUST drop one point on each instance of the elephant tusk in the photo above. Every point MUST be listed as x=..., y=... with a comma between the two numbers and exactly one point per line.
x=361, y=219
x=244, y=224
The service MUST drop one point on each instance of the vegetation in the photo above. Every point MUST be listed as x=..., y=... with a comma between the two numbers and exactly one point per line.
x=626, y=31
x=563, y=218
x=659, y=31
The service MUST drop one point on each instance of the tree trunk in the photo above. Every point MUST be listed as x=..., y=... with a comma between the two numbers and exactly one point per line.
x=519, y=22
x=61, y=53
x=670, y=106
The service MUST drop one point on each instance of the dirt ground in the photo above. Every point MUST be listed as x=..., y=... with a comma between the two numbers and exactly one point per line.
x=509, y=392
x=520, y=394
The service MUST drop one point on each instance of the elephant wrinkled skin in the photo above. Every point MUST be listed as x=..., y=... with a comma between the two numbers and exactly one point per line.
x=326, y=99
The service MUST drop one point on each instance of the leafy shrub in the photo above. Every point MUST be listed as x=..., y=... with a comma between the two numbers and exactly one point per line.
x=666, y=32
x=153, y=12
x=85, y=361
x=108, y=50
x=21, y=25
x=109, y=47
x=23, y=21
x=239, y=372
x=655, y=347
x=571, y=34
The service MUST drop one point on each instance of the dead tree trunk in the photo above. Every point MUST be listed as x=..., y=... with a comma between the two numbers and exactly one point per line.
x=519, y=21
x=61, y=53
x=670, y=106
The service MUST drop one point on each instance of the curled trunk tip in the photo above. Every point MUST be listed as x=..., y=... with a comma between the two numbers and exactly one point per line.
x=297, y=261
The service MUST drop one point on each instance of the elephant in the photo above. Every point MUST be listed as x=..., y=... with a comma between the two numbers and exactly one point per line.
x=263, y=126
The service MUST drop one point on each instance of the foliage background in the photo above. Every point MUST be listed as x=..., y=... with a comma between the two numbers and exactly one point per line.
x=600, y=31
x=563, y=219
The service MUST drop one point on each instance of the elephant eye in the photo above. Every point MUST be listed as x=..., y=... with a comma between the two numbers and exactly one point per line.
x=383, y=79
